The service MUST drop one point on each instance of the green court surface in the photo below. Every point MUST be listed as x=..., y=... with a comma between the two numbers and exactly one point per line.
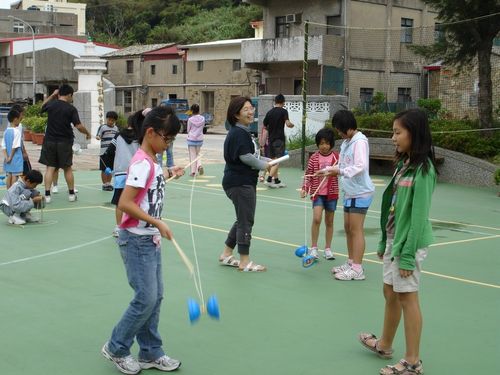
x=63, y=287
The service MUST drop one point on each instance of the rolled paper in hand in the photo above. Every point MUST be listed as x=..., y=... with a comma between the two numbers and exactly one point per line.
x=279, y=160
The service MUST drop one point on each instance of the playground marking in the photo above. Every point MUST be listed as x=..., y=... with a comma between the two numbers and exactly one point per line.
x=56, y=252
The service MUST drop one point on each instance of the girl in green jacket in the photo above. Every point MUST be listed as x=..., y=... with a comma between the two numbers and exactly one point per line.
x=406, y=235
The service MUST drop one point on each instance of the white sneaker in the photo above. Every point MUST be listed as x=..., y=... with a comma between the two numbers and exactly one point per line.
x=126, y=365
x=75, y=190
x=16, y=220
x=314, y=252
x=30, y=218
x=164, y=363
x=55, y=189
x=341, y=268
x=329, y=255
x=350, y=274
x=48, y=198
x=72, y=197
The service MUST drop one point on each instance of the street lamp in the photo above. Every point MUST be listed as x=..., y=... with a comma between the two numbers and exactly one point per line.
x=34, y=61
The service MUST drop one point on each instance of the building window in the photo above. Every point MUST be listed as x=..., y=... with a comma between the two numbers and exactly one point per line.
x=406, y=30
x=172, y=96
x=127, y=101
x=119, y=98
x=336, y=22
x=174, y=69
x=153, y=70
x=130, y=66
x=236, y=65
x=207, y=101
x=154, y=102
x=29, y=62
x=438, y=32
x=404, y=94
x=282, y=28
x=365, y=95
x=199, y=65
x=18, y=27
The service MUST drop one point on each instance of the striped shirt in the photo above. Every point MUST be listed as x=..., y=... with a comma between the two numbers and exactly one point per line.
x=107, y=134
x=312, y=183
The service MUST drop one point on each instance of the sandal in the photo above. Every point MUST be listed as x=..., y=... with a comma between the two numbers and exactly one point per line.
x=252, y=267
x=407, y=369
x=229, y=260
x=363, y=339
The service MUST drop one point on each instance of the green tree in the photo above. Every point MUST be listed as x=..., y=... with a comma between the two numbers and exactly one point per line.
x=469, y=28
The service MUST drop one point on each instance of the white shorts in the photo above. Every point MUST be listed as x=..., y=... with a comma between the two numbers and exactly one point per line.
x=391, y=271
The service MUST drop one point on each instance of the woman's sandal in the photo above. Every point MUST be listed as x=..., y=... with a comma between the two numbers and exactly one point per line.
x=229, y=260
x=363, y=339
x=407, y=369
x=252, y=267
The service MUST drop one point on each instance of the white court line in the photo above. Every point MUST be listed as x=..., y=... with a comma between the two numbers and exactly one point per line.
x=76, y=247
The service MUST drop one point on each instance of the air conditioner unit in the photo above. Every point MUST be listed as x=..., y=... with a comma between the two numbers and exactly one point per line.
x=294, y=18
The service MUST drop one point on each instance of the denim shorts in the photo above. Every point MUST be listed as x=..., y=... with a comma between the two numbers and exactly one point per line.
x=357, y=205
x=328, y=205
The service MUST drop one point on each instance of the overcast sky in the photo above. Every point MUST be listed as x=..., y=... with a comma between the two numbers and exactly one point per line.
x=6, y=3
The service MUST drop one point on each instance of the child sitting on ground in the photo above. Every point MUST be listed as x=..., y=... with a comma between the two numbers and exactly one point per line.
x=22, y=197
x=324, y=191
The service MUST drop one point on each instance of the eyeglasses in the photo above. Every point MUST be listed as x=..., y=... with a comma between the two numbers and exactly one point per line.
x=166, y=138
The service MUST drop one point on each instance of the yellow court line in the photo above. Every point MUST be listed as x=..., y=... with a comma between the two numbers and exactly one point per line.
x=467, y=240
x=298, y=201
x=467, y=281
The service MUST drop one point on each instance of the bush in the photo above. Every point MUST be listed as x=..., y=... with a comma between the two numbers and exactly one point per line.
x=34, y=110
x=430, y=106
x=471, y=143
x=36, y=124
x=295, y=143
x=497, y=177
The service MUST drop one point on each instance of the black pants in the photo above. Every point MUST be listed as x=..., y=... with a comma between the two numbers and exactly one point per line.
x=244, y=199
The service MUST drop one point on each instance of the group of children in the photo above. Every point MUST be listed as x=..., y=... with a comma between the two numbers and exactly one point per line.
x=139, y=192
x=405, y=226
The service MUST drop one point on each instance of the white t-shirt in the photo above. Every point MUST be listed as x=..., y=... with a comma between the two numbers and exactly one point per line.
x=16, y=143
x=152, y=203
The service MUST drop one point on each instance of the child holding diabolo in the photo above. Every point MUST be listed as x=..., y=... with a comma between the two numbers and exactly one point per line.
x=106, y=133
x=139, y=241
x=406, y=236
x=22, y=197
x=324, y=191
x=358, y=188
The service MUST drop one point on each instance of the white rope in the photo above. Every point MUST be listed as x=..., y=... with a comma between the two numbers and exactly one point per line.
x=197, y=274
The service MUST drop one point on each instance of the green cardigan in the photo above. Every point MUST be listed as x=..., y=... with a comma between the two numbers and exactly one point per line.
x=413, y=229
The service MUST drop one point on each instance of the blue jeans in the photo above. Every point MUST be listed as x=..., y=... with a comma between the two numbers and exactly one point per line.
x=142, y=259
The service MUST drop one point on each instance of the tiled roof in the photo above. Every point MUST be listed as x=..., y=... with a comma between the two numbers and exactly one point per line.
x=137, y=50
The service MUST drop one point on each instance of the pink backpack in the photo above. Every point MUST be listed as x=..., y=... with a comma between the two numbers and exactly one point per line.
x=127, y=220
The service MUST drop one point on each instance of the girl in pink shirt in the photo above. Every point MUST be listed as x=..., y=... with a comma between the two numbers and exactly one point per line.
x=324, y=192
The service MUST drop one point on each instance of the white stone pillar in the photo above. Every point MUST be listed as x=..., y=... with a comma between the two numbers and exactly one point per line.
x=89, y=99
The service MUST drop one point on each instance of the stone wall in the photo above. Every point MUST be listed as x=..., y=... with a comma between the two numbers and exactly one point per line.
x=457, y=168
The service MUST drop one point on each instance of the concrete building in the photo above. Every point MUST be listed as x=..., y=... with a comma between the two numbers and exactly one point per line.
x=215, y=74
x=145, y=75
x=52, y=7
x=356, y=47
x=458, y=91
x=42, y=23
x=55, y=57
